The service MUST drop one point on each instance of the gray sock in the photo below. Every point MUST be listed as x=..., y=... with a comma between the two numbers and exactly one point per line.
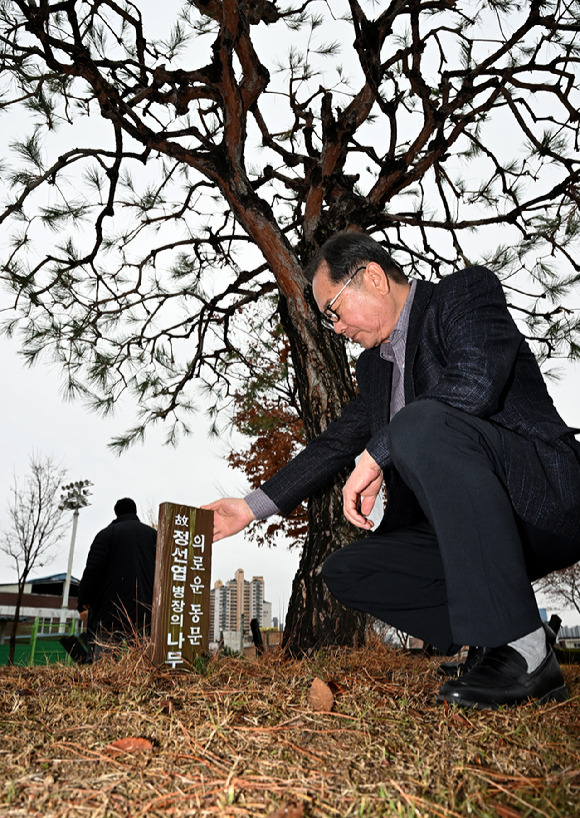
x=532, y=647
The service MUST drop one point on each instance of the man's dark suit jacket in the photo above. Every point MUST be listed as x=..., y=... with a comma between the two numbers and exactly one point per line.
x=117, y=582
x=463, y=349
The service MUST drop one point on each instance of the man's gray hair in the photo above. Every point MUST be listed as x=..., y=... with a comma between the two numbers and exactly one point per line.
x=346, y=251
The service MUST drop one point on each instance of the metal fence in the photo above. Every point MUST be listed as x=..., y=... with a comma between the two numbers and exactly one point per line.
x=40, y=647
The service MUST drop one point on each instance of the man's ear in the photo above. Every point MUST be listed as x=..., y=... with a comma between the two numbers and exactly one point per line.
x=378, y=278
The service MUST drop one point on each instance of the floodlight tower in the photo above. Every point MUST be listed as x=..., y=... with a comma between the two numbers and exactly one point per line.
x=74, y=497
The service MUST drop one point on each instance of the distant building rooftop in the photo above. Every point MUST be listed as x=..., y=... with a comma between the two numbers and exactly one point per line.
x=52, y=585
x=42, y=598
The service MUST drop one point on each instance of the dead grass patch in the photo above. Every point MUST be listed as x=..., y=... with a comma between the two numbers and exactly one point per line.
x=241, y=739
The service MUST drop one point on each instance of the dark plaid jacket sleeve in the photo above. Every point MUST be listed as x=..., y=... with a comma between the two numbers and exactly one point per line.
x=336, y=448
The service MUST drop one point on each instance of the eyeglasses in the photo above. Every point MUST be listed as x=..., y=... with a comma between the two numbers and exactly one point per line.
x=329, y=316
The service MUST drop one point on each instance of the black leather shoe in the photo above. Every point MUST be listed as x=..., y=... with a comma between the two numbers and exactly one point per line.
x=452, y=670
x=501, y=679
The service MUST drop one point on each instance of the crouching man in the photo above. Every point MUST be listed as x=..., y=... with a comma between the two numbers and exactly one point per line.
x=482, y=474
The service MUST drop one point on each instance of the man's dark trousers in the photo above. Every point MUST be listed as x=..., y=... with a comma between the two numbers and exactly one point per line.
x=461, y=575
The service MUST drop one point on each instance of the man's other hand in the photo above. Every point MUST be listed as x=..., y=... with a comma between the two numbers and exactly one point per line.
x=361, y=490
x=230, y=515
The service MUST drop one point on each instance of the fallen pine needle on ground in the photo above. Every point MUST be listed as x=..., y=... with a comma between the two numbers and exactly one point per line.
x=241, y=737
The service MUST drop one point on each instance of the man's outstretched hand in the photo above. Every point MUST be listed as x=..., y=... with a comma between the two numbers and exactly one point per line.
x=360, y=491
x=230, y=515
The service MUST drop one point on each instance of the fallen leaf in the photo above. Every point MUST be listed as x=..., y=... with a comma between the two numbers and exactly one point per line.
x=129, y=745
x=321, y=697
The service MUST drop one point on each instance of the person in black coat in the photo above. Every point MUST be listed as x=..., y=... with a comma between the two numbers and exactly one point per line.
x=482, y=474
x=116, y=590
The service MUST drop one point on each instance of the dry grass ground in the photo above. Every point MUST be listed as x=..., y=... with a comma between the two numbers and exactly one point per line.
x=242, y=739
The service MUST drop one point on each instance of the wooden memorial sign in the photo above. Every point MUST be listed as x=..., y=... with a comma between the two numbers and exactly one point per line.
x=181, y=593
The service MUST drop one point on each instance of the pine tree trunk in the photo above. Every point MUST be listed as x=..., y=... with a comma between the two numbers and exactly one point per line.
x=315, y=618
x=325, y=385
